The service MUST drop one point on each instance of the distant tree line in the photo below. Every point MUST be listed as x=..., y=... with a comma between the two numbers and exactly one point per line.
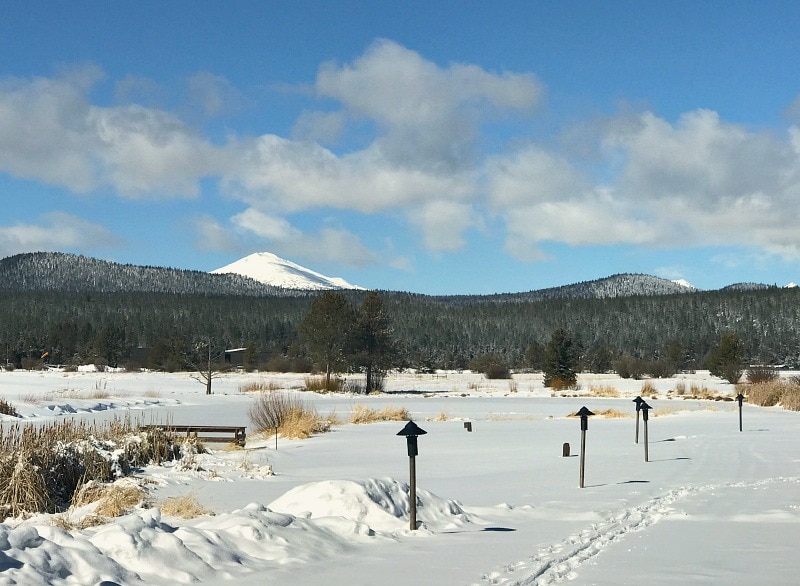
x=636, y=335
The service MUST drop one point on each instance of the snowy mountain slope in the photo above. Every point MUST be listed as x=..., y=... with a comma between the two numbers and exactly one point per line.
x=272, y=270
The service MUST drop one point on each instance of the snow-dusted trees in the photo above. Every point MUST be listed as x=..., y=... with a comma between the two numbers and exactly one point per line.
x=325, y=331
x=372, y=344
x=561, y=361
x=726, y=360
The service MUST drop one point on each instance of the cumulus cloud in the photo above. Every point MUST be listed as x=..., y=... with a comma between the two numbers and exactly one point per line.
x=56, y=231
x=645, y=181
x=696, y=182
x=49, y=131
x=212, y=236
x=256, y=230
x=443, y=223
x=428, y=115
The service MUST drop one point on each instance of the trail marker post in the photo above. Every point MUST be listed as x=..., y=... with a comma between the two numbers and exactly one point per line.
x=740, y=398
x=411, y=431
x=645, y=416
x=638, y=401
x=584, y=414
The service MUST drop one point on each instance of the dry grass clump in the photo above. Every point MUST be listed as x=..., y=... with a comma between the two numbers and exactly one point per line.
x=287, y=414
x=319, y=384
x=603, y=391
x=700, y=392
x=260, y=386
x=648, y=390
x=185, y=507
x=775, y=392
x=363, y=414
x=607, y=413
x=613, y=414
x=41, y=468
x=118, y=500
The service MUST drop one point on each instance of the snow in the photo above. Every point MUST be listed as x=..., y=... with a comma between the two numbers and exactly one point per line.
x=278, y=272
x=498, y=505
x=684, y=283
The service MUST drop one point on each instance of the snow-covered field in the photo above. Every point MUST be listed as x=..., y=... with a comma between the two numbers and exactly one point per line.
x=498, y=505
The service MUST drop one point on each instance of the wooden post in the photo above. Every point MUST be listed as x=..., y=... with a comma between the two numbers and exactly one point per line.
x=565, y=450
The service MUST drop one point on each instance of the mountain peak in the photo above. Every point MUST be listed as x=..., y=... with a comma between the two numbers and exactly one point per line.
x=273, y=270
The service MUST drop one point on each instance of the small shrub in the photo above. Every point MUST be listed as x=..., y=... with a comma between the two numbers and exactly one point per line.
x=767, y=394
x=558, y=384
x=319, y=384
x=680, y=388
x=287, y=415
x=762, y=374
x=7, y=408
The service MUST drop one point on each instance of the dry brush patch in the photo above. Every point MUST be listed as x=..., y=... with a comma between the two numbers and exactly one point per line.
x=286, y=414
x=42, y=467
x=260, y=386
x=603, y=391
x=363, y=414
x=185, y=507
x=783, y=392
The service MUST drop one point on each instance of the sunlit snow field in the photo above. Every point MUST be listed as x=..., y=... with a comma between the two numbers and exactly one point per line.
x=498, y=505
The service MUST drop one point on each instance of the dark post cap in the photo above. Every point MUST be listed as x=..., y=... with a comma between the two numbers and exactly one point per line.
x=584, y=412
x=645, y=406
x=412, y=429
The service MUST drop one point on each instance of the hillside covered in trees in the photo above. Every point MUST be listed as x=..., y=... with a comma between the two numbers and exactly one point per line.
x=101, y=315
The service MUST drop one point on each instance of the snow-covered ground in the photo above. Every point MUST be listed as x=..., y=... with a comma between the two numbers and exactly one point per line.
x=498, y=505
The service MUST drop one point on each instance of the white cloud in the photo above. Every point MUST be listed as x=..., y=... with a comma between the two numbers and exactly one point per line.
x=265, y=226
x=428, y=115
x=50, y=132
x=212, y=94
x=320, y=127
x=698, y=182
x=443, y=223
x=256, y=230
x=211, y=236
x=56, y=231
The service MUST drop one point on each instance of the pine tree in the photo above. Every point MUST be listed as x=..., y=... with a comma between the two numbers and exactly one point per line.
x=560, y=361
x=372, y=342
x=325, y=331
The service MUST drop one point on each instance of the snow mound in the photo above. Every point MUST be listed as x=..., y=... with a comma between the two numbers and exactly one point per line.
x=380, y=503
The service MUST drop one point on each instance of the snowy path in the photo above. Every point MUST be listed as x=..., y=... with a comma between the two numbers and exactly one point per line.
x=557, y=563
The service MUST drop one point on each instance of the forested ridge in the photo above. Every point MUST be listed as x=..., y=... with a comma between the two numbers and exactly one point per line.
x=78, y=323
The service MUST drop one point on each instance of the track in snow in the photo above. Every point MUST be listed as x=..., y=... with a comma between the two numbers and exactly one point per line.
x=559, y=562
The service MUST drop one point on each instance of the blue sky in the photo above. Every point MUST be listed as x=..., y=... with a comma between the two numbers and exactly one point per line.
x=433, y=147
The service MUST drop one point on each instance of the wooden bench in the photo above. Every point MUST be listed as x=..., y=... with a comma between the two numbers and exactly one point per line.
x=219, y=433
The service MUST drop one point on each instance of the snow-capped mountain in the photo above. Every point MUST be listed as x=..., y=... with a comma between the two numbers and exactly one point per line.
x=270, y=269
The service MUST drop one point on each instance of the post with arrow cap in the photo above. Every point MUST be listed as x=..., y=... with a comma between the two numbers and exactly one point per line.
x=411, y=431
x=638, y=401
x=740, y=398
x=584, y=414
x=645, y=416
